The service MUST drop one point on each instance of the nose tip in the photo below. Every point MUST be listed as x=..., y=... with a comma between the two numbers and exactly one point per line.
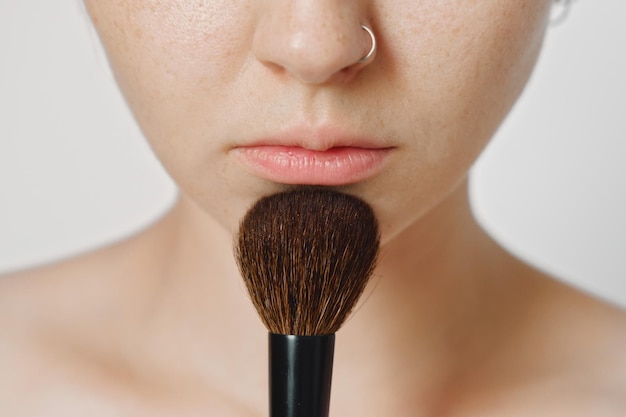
x=313, y=52
x=315, y=58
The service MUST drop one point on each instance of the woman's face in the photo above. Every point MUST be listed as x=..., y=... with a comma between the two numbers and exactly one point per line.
x=240, y=97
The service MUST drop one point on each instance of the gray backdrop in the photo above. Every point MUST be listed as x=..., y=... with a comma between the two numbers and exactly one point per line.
x=75, y=172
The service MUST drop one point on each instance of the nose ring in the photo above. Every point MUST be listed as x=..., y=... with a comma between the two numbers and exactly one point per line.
x=372, y=49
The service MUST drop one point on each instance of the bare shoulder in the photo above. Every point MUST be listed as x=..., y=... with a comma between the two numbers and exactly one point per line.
x=563, y=356
x=593, y=340
x=35, y=298
x=66, y=328
x=579, y=345
x=79, y=291
x=50, y=318
x=591, y=333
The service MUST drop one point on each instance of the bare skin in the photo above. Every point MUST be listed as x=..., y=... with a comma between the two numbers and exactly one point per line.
x=452, y=325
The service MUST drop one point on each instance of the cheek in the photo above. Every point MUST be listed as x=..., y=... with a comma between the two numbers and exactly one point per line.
x=459, y=68
x=471, y=61
x=176, y=63
x=169, y=56
x=468, y=62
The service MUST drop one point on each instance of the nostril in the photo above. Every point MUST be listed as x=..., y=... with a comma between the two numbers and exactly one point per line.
x=315, y=53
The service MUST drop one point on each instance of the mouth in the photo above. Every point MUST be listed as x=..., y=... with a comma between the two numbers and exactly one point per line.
x=292, y=164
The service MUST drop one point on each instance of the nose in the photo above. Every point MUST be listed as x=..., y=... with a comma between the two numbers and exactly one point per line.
x=315, y=41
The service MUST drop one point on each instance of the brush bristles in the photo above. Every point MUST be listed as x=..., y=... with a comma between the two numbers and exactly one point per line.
x=306, y=256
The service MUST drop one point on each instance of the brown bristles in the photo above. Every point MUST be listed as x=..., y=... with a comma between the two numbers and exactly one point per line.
x=306, y=256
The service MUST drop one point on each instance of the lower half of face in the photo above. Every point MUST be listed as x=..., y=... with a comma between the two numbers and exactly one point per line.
x=240, y=99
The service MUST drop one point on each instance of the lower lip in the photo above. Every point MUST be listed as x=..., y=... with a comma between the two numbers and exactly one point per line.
x=296, y=165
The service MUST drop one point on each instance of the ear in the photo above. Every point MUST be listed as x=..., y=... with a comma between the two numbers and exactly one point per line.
x=560, y=11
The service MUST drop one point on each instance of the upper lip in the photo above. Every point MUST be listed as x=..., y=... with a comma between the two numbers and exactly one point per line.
x=317, y=139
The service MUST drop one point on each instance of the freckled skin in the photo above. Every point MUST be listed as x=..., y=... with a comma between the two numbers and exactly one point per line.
x=202, y=77
x=452, y=325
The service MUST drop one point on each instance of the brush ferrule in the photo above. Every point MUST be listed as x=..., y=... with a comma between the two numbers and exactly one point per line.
x=300, y=370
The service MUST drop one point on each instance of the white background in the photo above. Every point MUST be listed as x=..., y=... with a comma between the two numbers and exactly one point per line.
x=75, y=172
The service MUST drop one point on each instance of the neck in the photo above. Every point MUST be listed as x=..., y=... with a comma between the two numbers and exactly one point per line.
x=432, y=292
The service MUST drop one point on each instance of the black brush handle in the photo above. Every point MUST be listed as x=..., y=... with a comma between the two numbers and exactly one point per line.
x=301, y=370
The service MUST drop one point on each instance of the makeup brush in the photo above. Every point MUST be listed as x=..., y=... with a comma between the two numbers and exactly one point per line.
x=305, y=256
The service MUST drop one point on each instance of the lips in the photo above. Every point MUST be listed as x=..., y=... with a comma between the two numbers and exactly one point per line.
x=291, y=164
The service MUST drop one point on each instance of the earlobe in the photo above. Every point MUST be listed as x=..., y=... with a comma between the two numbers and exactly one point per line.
x=560, y=11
